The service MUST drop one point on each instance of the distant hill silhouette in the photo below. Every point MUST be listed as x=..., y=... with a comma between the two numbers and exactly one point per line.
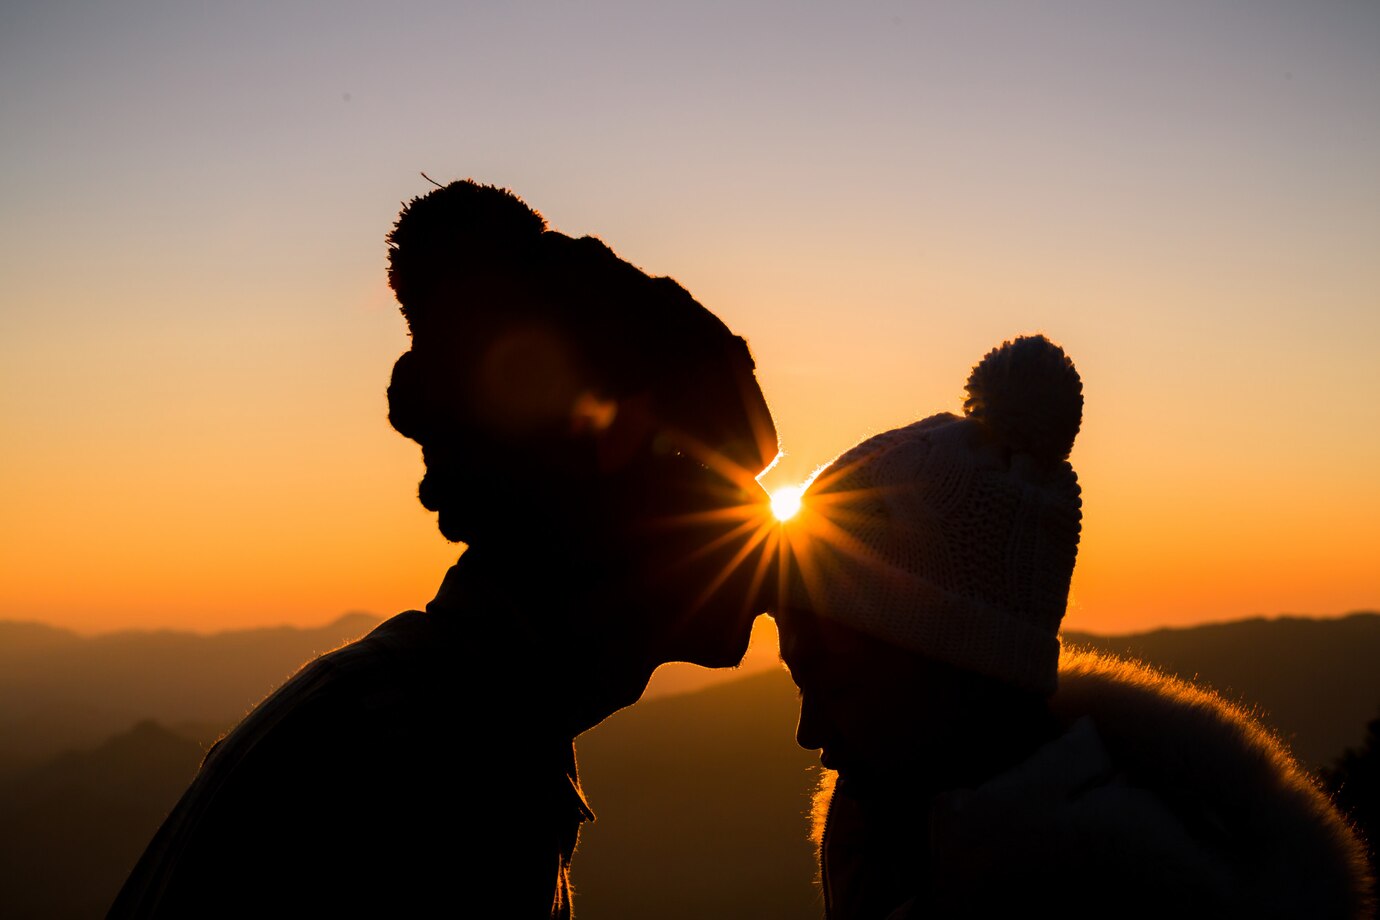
x=60, y=690
x=1354, y=781
x=701, y=796
x=71, y=831
x=701, y=802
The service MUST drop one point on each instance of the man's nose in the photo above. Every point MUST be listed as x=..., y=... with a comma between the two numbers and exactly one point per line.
x=810, y=731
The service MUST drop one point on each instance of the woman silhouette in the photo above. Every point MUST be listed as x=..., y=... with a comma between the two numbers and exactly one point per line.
x=981, y=770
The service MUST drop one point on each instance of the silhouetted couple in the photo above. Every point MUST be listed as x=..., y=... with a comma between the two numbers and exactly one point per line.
x=593, y=435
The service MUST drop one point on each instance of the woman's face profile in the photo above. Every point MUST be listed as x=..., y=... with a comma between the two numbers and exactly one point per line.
x=871, y=709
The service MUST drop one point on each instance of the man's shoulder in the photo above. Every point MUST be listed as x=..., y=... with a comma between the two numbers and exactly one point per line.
x=352, y=673
x=363, y=685
x=365, y=765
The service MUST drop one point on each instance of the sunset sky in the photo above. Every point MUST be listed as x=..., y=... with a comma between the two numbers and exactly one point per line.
x=196, y=331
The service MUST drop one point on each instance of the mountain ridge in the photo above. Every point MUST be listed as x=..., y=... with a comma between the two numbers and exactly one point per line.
x=60, y=689
x=703, y=794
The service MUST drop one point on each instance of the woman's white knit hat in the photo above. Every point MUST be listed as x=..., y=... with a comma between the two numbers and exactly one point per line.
x=956, y=536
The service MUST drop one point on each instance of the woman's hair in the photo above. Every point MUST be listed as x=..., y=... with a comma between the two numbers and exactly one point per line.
x=541, y=365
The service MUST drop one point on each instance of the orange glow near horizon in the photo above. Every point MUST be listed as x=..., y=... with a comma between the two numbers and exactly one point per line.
x=195, y=343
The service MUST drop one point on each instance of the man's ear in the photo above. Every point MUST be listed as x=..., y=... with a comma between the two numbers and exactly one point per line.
x=629, y=425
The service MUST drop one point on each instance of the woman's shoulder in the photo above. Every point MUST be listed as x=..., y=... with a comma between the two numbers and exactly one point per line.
x=1228, y=779
x=1159, y=727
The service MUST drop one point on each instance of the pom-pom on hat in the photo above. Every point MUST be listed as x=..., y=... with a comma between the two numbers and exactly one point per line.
x=956, y=536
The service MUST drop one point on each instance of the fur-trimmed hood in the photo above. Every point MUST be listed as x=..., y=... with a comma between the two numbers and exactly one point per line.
x=1160, y=798
x=1288, y=851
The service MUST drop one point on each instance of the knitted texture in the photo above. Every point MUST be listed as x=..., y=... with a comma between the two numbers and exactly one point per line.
x=956, y=536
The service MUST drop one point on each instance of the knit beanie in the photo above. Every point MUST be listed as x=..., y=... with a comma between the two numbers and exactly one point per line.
x=956, y=536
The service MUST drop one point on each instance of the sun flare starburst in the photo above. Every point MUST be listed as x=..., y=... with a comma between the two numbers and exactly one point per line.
x=785, y=502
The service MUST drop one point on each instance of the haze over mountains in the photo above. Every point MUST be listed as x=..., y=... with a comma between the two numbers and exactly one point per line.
x=701, y=795
x=60, y=690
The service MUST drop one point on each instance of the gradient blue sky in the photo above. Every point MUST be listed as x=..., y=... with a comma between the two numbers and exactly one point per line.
x=195, y=330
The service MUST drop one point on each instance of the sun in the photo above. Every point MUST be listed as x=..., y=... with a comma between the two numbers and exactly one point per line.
x=785, y=502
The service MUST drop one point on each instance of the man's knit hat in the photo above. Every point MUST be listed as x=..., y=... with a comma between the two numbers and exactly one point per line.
x=956, y=536
x=543, y=369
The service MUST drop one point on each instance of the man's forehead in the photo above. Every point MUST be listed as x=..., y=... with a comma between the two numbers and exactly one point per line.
x=795, y=619
x=799, y=635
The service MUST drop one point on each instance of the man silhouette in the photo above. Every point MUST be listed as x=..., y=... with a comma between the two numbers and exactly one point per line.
x=592, y=434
